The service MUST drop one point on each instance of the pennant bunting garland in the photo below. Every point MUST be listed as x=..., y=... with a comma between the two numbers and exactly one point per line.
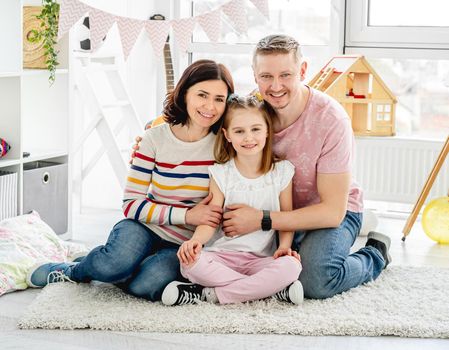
x=235, y=10
x=211, y=24
x=183, y=29
x=69, y=13
x=158, y=32
x=129, y=29
x=100, y=23
x=262, y=6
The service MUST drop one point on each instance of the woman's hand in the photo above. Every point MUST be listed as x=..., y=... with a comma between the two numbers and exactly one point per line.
x=135, y=148
x=286, y=251
x=204, y=213
x=189, y=251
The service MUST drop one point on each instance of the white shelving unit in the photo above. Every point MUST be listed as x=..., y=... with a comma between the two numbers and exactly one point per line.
x=34, y=116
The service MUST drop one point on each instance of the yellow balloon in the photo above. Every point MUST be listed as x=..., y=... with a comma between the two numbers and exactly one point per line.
x=435, y=220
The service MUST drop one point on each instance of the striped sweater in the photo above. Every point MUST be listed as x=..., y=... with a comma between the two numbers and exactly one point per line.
x=167, y=177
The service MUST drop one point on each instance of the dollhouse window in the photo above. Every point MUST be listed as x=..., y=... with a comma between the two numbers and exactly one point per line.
x=383, y=112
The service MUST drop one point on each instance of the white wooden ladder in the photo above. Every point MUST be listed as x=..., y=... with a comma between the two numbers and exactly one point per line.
x=101, y=88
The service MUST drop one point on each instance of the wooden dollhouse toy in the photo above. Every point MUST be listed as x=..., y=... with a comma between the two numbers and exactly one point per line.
x=369, y=102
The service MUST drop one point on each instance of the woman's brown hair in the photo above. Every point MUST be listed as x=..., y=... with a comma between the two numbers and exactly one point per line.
x=223, y=150
x=175, y=108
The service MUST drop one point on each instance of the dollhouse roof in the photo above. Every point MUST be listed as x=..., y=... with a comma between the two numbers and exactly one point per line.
x=343, y=66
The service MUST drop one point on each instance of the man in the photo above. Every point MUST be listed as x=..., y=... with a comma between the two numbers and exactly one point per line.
x=313, y=132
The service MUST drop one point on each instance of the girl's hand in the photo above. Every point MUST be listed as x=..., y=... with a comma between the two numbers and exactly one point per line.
x=135, y=148
x=204, y=213
x=189, y=251
x=286, y=251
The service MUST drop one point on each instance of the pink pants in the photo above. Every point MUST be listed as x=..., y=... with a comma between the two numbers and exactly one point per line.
x=240, y=276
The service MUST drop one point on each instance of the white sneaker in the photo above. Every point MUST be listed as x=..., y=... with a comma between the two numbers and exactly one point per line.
x=292, y=294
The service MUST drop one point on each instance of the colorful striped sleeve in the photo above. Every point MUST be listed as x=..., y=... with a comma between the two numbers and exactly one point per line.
x=136, y=202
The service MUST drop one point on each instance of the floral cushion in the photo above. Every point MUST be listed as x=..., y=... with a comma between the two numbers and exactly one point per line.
x=24, y=241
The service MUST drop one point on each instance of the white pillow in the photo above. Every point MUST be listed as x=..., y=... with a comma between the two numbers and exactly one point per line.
x=24, y=241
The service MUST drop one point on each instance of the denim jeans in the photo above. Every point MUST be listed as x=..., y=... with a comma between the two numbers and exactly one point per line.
x=134, y=258
x=328, y=266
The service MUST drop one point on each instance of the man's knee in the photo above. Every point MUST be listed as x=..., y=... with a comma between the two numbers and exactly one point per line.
x=317, y=285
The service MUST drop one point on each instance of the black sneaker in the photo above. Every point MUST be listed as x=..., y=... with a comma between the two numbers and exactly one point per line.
x=292, y=294
x=382, y=243
x=180, y=293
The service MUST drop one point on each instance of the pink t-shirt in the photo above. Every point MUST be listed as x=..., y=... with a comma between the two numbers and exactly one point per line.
x=320, y=141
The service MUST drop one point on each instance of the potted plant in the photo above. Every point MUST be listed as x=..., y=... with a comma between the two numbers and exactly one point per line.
x=48, y=33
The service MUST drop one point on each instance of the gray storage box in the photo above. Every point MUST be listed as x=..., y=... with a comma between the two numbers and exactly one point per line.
x=45, y=190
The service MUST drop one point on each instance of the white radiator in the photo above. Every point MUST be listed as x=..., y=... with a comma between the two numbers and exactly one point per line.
x=8, y=194
x=395, y=170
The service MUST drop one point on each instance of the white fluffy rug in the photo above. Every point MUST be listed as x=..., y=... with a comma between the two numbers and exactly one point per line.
x=403, y=301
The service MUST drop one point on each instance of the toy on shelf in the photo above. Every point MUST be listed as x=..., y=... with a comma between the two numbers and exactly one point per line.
x=368, y=101
x=435, y=220
x=4, y=147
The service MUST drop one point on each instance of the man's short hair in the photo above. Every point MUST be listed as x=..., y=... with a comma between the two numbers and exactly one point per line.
x=277, y=43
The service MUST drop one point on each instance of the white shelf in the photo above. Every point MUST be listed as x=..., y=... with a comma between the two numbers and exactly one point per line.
x=27, y=72
x=8, y=162
x=44, y=154
x=34, y=115
x=10, y=74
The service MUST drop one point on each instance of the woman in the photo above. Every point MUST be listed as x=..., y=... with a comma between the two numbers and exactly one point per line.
x=165, y=196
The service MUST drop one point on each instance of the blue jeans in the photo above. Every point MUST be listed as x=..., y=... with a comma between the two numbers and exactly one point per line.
x=328, y=268
x=134, y=258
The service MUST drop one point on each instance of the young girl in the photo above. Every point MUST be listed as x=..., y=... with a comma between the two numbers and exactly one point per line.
x=165, y=192
x=248, y=267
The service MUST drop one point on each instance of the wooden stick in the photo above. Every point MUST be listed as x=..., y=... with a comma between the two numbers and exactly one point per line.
x=425, y=191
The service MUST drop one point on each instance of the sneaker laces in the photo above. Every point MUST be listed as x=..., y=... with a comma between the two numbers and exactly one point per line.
x=283, y=295
x=188, y=298
x=58, y=276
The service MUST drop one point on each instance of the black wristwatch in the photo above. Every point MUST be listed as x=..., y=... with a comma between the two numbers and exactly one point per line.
x=266, y=221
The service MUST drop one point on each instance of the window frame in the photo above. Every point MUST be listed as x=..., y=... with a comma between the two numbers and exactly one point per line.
x=433, y=40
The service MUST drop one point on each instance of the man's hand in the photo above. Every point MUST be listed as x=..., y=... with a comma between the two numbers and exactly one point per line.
x=189, y=251
x=241, y=219
x=135, y=148
x=286, y=251
x=204, y=213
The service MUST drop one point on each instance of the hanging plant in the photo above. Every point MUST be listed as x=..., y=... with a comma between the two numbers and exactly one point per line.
x=48, y=33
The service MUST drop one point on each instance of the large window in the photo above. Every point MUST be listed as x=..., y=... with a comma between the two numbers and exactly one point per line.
x=310, y=22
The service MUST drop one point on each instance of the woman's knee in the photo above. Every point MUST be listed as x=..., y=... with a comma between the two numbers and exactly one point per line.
x=154, y=274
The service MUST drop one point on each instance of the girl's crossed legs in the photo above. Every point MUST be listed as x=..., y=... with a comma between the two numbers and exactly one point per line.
x=241, y=276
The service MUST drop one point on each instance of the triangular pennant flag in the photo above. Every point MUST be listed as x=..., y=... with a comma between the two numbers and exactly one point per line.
x=100, y=23
x=70, y=11
x=157, y=31
x=262, y=6
x=235, y=10
x=183, y=29
x=129, y=31
x=211, y=24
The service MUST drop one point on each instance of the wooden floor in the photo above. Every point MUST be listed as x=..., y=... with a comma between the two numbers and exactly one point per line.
x=92, y=228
